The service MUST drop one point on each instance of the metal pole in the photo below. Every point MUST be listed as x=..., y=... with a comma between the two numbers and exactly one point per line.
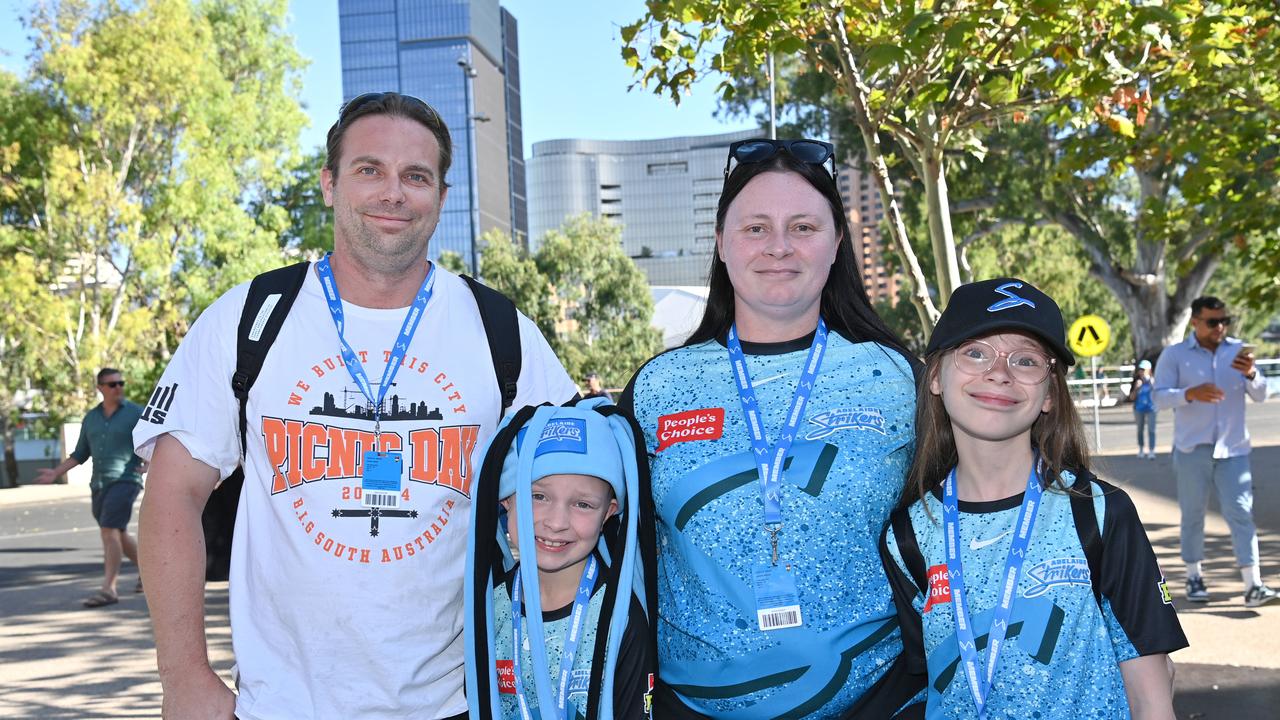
x=1097, y=424
x=468, y=73
x=773, y=125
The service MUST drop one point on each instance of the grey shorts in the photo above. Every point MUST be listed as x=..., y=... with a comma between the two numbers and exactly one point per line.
x=113, y=504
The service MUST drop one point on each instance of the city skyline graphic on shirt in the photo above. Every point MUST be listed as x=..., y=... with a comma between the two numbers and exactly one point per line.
x=354, y=405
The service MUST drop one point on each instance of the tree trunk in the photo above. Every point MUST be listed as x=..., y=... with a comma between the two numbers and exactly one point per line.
x=850, y=74
x=10, y=454
x=940, y=235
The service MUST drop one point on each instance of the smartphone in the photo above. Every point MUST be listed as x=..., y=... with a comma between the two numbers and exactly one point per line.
x=1247, y=349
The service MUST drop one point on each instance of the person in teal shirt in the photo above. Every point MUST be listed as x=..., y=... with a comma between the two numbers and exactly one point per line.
x=106, y=435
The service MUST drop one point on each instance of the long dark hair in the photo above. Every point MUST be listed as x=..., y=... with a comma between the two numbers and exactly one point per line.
x=1057, y=434
x=845, y=305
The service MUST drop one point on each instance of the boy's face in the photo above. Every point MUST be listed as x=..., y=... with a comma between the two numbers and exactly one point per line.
x=568, y=512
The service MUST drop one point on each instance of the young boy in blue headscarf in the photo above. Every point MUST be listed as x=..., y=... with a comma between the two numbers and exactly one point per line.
x=564, y=478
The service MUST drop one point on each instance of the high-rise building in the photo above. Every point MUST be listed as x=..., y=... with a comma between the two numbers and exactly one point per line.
x=662, y=192
x=866, y=214
x=461, y=57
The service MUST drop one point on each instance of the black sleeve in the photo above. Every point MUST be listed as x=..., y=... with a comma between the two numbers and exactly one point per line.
x=635, y=670
x=1132, y=582
x=909, y=620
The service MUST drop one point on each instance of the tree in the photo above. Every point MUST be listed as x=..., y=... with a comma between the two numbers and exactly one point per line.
x=587, y=297
x=921, y=79
x=310, y=228
x=147, y=137
x=1179, y=172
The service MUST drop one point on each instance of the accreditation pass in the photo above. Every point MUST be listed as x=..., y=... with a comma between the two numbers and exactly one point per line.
x=777, y=600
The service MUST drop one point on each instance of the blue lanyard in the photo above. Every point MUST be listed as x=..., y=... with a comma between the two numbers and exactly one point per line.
x=354, y=366
x=577, y=621
x=980, y=683
x=769, y=463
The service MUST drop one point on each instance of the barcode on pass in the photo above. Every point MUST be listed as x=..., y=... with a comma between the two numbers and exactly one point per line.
x=382, y=499
x=779, y=618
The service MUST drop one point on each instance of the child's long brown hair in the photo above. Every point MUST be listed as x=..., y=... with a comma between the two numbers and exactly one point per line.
x=1057, y=434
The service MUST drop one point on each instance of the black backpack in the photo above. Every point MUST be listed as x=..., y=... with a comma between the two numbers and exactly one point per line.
x=271, y=295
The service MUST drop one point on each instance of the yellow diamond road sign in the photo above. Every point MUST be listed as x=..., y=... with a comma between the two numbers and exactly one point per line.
x=1089, y=336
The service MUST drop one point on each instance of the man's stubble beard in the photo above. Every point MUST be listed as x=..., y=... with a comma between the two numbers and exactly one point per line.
x=378, y=252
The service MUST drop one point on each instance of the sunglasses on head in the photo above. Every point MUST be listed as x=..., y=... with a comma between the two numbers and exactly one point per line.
x=812, y=152
x=360, y=101
x=1216, y=322
x=113, y=384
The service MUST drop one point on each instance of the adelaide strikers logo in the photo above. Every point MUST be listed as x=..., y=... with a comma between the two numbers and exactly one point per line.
x=833, y=421
x=1057, y=571
x=317, y=455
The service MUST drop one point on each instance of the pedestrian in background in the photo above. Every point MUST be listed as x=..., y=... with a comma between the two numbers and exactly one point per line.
x=106, y=435
x=1205, y=379
x=1144, y=408
x=595, y=388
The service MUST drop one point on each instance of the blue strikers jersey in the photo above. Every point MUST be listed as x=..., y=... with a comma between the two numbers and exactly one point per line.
x=844, y=472
x=555, y=625
x=1063, y=648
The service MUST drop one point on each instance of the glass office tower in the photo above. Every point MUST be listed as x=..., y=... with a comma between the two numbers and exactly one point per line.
x=461, y=57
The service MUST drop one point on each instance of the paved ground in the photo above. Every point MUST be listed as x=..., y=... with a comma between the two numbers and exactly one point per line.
x=58, y=660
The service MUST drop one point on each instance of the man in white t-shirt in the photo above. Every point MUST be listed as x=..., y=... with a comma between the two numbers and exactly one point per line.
x=351, y=536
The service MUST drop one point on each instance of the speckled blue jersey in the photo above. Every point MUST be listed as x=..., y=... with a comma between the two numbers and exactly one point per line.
x=1063, y=650
x=555, y=624
x=842, y=476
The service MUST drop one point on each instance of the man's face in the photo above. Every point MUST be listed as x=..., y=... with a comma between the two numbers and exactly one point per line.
x=1210, y=326
x=387, y=192
x=593, y=383
x=112, y=387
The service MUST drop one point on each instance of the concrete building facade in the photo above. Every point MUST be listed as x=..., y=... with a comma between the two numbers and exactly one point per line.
x=662, y=192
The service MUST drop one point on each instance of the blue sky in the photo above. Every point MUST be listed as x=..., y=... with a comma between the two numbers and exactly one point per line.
x=578, y=93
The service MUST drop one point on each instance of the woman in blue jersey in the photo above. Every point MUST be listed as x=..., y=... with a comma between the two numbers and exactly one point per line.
x=1026, y=585
x=778, y=439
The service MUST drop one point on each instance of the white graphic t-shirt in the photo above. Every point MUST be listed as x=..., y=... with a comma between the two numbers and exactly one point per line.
x=338, y=609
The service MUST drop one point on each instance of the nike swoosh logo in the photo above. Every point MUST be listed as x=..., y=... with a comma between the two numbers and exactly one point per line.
x=757, y=383
x=979, y=544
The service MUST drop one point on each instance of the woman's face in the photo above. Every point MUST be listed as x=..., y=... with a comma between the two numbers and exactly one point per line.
x=778, y=243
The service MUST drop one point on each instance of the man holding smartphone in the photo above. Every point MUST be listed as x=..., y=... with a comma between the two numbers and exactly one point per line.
x=1205, y=379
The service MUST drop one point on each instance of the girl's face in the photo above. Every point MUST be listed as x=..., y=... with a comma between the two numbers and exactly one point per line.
x=568, y=512
x=997, y=404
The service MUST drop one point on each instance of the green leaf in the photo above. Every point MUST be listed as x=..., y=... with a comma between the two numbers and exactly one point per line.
x=790, y=45
x=918, y=23
x=958, y=35
x=628, y=32
x=881, y=56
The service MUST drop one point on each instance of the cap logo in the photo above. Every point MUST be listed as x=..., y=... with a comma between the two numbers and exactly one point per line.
x=563, y=435
x=1011, y=300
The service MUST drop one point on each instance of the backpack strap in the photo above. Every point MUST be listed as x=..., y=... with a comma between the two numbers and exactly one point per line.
x=904, y=534
x=1086, y=522
x=271, y=294
x=910, y=622
x=502, y=329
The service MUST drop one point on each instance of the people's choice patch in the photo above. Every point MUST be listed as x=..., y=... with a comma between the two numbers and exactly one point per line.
x=939, y=587
x=704, y=424
x=506, y=677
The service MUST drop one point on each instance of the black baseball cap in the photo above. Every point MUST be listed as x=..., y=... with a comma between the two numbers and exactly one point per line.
x=1001, y=304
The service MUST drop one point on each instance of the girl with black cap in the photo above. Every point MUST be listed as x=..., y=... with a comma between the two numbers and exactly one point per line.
x=1025, y=586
